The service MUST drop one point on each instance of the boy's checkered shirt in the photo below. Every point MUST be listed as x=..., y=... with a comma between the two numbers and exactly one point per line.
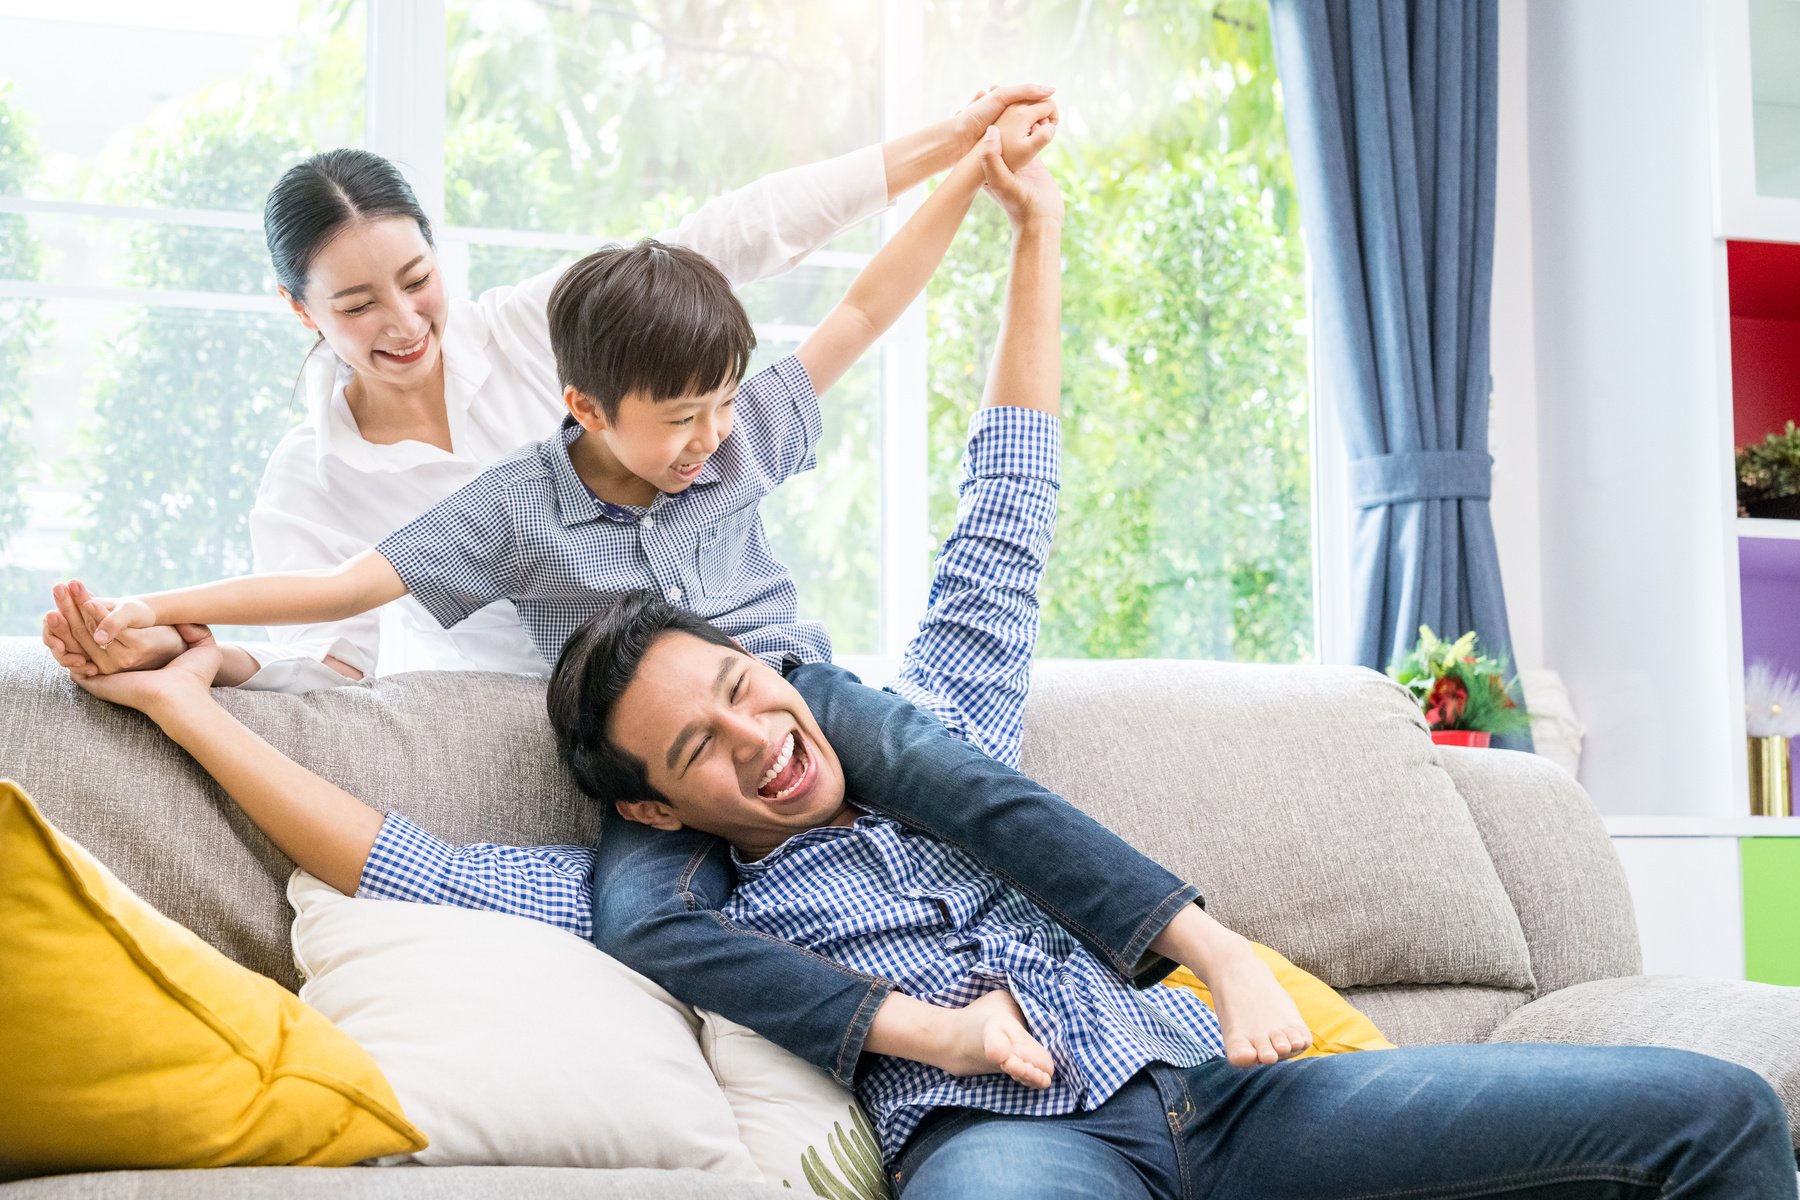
x=529, y=531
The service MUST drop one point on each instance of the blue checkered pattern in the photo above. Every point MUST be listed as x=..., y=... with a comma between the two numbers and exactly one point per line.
x=906, y=907
x=528, y=530
x=970, y=663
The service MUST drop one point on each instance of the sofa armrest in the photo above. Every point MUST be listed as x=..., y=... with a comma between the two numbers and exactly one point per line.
x=1556, y=862
x=1755, y=1025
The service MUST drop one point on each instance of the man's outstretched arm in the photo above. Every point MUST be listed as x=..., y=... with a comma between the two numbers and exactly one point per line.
x=319, y=825
x=970, y=663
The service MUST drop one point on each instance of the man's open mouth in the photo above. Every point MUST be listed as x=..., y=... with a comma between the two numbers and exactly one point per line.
x=788, y=772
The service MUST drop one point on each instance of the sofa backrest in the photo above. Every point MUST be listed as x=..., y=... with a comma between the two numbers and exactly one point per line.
x=1307, y=803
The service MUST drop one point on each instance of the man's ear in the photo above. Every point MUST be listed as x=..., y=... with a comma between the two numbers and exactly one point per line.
x=299, y=310
x=649, y=812
x=584, y=408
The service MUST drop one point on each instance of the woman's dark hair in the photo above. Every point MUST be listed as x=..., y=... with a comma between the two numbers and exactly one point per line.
x=647, y=318
x=313, y=200
x=595, y=667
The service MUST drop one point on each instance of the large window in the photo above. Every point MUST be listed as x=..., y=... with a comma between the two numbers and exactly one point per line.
x=146, y=369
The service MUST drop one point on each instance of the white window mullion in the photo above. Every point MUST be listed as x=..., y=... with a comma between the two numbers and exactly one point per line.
x=404, y=103
x=905, y=499
x=1333, y=640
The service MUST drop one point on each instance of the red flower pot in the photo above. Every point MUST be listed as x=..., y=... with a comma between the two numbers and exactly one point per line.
x=1473, y=739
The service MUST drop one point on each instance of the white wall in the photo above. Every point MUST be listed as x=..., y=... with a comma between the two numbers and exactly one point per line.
x=1513, y=423
x=1605, y=340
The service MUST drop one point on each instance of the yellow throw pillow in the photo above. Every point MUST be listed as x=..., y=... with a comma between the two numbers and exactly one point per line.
x=1336, y=1027
x=129, y=1042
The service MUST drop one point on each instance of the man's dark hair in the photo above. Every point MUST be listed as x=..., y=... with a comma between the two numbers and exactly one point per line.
x=595, y=667
x=648, y=318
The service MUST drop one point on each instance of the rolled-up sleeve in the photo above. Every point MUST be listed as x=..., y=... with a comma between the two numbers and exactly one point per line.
x=552, y=884
x=970, y=662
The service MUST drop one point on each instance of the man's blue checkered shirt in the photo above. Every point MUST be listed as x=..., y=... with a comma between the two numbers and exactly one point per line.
x=906, y=907
x=528, y=530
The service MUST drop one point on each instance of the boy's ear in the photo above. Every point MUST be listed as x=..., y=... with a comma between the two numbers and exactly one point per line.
x=585, y=409
x=649, y=812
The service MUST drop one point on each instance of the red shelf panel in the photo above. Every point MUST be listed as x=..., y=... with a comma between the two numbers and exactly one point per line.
x=1764, y=286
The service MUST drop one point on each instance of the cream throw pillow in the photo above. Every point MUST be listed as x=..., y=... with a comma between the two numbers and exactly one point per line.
x=803, y=1128
x=510, y=1041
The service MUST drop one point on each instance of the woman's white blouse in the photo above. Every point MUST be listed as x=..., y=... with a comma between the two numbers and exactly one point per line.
x=328, y=494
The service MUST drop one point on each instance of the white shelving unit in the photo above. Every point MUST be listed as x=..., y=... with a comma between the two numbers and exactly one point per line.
x=1752, y=527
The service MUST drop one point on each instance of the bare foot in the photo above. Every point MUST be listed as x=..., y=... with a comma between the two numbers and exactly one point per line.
x=989, y=1036
x=1256, y=1015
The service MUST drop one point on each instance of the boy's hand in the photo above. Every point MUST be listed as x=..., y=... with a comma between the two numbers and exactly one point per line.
x=1257, y=1017
x=69, y=634
x=987, y=105
x=190, y=674
x=1027, y=194
x=989, y=1036
x=129, y=613
x=1024, y=129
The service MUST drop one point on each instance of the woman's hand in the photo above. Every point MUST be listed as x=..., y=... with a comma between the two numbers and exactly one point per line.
x=986, y=106
x=188, y=676
x=69, y=634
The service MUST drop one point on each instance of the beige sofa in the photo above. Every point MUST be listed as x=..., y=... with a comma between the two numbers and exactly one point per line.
x=1452, y=895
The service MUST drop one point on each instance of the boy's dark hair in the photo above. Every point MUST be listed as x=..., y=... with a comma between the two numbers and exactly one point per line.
x=648, y=318
x=595, y=667
x=313, y=200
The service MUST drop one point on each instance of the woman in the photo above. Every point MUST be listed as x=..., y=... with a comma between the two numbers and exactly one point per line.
x=410, y=394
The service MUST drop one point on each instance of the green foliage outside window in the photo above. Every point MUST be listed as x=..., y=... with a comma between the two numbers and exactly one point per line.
x=21, y=332
x=1185, y=507
x=1185, y=522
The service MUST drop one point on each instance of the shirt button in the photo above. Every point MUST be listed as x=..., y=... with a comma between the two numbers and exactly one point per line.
x=674, y=595
x=648, y=522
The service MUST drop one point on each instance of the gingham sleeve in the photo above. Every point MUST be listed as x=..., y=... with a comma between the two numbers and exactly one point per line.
x=969, y=665
x=778, y=417
x=552, y=884
x=462, y=554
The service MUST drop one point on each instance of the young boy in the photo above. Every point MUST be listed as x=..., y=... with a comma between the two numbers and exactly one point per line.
x=643, y=486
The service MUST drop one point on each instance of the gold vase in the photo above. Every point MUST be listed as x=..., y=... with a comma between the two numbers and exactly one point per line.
x=1770, y=794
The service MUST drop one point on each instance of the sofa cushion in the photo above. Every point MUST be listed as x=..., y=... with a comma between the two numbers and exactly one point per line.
x=1428, y=1014
x=1556, y=862
x=512, y=1042
x=1755, y=1025
x=803, y=1128
x=130, y=1042
x=1309, y=806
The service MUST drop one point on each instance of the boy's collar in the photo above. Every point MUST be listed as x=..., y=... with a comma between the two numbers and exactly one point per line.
x=578, y=504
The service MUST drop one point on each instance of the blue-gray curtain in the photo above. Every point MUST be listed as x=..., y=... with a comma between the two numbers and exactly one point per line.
x=1391, y=123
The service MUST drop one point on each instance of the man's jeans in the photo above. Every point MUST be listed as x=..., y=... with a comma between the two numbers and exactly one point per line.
x=1513, y=1120
x=657, y=894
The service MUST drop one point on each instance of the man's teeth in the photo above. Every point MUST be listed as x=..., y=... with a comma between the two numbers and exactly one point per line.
x=780, y=764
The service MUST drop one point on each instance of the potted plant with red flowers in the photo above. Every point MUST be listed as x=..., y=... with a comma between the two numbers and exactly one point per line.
x=1463, y=694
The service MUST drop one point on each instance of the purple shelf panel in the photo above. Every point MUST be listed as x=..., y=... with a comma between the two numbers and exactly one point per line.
x=1770, y=577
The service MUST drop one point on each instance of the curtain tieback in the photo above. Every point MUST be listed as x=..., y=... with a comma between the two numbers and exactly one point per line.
x=1421, y=475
